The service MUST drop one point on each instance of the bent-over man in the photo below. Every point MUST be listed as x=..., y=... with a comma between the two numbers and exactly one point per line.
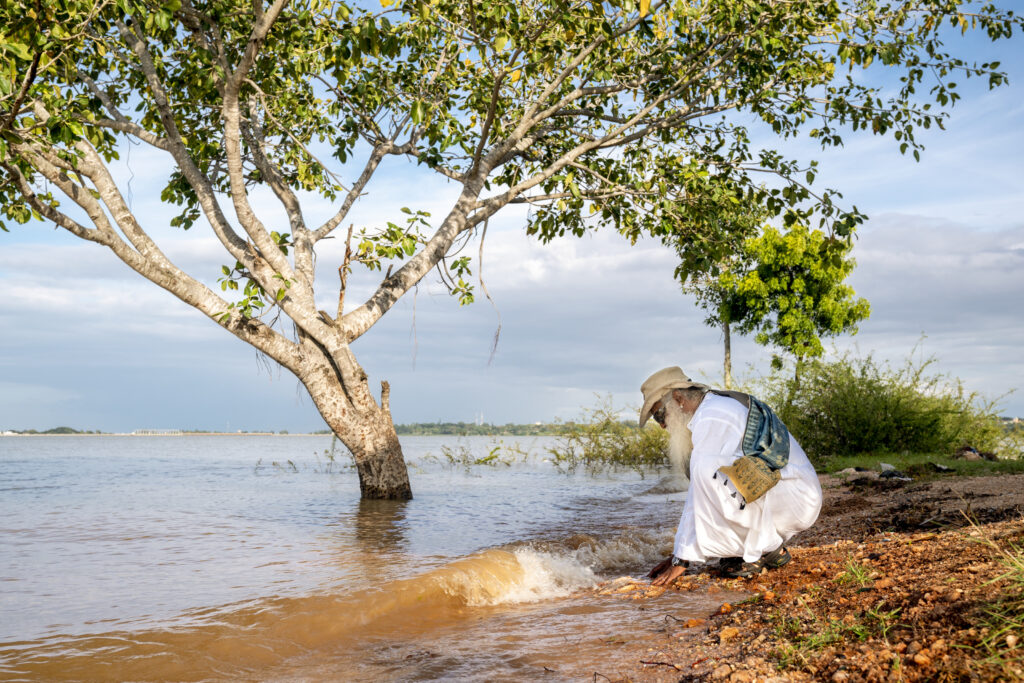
x=751, y=485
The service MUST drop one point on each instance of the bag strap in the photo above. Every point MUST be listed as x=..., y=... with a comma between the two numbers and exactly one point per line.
x=739, y=396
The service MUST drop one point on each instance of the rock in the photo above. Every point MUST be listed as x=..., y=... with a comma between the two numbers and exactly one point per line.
x=914, y=648
x=921, y=659
x=728, y=633
x=693, y=623
x=721, y=672
x=1012, y=640
x=725, y=608
x=883, y=583
x=967, y=453
x=885, y=467
x=941, y=468
x=741, y=677
x=840, y=676
x=895, y=474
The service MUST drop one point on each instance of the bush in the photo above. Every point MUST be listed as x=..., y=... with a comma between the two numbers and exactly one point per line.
x=602, y=440
x=855, y=405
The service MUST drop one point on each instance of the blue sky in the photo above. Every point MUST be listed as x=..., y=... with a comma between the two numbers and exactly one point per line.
x=89, y=344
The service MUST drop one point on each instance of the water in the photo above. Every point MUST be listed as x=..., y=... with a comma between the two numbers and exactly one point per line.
x=219, y=557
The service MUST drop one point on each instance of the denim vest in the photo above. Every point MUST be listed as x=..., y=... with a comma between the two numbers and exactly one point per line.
x=765, y=437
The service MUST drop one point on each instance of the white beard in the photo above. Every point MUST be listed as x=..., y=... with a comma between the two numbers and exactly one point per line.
x=680, y=438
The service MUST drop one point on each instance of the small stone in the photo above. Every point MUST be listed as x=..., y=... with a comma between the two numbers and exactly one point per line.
x=883, y=583
x=921, y=659
x=840, y=676
x=721, y=672
x=725, y=608
x=728, y=633
x=938, y=646
x=1012, y=640
x=914, y=648
x=741, y=677
x=885, y=467
x=693, y=623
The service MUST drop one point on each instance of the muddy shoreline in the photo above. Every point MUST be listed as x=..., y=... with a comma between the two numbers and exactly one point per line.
x=896, y=581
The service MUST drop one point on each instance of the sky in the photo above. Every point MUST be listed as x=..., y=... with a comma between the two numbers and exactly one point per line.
x=88, y=344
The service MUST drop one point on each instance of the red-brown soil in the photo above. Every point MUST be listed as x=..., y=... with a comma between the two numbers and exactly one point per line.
x=896, y=581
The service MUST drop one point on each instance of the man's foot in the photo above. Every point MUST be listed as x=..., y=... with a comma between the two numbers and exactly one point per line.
x=728, y=565
x=744, y=570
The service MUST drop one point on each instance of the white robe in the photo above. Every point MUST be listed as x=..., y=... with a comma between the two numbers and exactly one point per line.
x=712, y=524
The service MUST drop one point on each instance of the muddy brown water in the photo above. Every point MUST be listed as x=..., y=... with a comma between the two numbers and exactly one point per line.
x=198, y=558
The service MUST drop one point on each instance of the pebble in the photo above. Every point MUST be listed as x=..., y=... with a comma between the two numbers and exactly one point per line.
x=741, y=677
x=1012, y=640
x=883, y=583
x=840, y=676
x=922, y=659
x=914, y=648
x=728, y=633
x=721, y=672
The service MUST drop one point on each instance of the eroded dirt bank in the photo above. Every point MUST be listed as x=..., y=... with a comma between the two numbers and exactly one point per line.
x=893, y=583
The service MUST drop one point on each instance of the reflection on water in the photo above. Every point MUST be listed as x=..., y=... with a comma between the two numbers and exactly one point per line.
x=380, y=525
x=178, y=561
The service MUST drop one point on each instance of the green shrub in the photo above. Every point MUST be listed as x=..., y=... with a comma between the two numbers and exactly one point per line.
x=855, y=405
x=602, y=440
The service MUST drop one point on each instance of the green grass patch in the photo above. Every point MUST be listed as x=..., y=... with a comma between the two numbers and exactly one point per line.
x=1003, y=624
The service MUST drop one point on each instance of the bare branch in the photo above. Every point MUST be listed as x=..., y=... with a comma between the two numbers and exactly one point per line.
x=49, y=212
x=379, y=152
x=199, y=183
x=343, y=273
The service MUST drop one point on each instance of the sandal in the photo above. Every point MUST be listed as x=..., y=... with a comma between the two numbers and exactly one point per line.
x=745, y=570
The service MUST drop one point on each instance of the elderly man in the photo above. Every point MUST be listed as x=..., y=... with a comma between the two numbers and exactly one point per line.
x=751, y=485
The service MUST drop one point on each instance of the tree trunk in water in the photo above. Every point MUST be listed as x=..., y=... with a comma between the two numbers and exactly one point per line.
x=728, y=356
x=364, y=426
x=381, y=465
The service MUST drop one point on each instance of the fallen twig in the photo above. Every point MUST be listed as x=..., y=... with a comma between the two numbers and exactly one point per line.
x=674, y=666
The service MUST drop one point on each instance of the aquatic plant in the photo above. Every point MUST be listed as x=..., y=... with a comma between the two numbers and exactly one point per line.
x=602, y=439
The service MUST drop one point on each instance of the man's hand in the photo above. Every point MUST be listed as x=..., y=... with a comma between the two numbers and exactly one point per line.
x=667, y=576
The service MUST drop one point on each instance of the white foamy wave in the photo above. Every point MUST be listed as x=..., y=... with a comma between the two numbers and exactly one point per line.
x=632, y=549
x=546, y=575
x=532, y=573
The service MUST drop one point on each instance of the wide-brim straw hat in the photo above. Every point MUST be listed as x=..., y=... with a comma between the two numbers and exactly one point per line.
x=659, y=384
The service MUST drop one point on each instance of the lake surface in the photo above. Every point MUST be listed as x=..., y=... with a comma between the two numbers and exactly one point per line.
x=220, y=557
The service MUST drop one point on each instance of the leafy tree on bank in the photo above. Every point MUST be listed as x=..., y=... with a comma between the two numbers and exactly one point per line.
x=593, y=114
x=786, y=288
